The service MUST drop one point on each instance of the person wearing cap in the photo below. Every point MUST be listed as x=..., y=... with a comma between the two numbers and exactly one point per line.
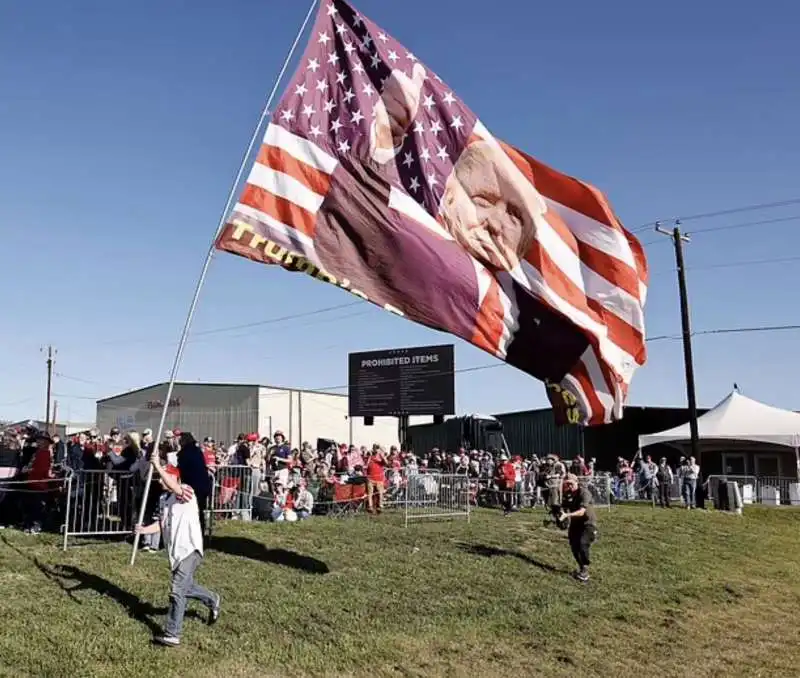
x=664, y=478
x=256, y=462
x=577, y=507
x=506, y=481
x=210, y=453
x=39, y=473
x=183, y=538
x=280, y=454
x=148, y=442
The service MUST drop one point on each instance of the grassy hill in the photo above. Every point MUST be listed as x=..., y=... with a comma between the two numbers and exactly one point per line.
x=673, y=594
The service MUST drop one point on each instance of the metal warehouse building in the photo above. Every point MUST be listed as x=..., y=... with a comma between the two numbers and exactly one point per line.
x=225, y=410
x=536, y=432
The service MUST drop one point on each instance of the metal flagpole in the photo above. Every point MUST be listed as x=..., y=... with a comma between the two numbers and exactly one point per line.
x=204, y=271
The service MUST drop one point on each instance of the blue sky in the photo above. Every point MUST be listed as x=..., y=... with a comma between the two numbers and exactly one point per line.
x=122, y=124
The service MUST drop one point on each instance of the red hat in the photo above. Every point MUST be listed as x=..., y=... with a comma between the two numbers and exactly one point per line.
x=177, y=432
x=252, y=437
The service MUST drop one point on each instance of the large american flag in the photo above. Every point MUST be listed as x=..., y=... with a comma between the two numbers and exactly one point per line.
x=373, y=175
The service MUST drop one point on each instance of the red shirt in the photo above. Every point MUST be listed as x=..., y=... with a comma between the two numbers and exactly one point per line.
x=40, y=470
x=509, y=474
x=210, y=457
x=375, y=469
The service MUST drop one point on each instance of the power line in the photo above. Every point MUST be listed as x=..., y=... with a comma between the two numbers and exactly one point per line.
x=479, y=368
x=747, y=330
x=729, y=227
x=720, y=213
x=735, y=264
x=232, y=328
x=746, y=224
x=61, y=375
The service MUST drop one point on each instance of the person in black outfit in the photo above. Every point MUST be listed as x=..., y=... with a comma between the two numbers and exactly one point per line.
x=582, y=531
x=194, y=472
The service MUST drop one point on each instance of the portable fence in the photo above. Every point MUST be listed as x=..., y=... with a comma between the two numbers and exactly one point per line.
x=101, y=503
x=638, y=489
x=28, y=502
x=767, y=490
x=235, y=491
x=600, y=489
x=435, y=495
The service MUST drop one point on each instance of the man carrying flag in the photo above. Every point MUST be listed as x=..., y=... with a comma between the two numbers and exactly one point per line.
x=180, y=525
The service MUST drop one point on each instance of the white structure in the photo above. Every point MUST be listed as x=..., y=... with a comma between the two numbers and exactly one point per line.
x=225, y=410
x=739, y=420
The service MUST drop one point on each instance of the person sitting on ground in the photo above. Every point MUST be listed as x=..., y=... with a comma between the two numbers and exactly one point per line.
x=180, y=524
x=303, y=502
x=278, y=502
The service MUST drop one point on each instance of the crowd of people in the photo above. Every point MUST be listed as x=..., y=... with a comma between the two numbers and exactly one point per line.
x=255, y=476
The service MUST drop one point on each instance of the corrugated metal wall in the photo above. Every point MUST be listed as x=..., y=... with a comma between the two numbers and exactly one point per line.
x=536, y=432
x=220, y=411
x=424, y=437
x=527, y=433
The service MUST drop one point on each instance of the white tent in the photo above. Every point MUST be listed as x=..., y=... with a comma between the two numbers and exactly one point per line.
x=737, y=418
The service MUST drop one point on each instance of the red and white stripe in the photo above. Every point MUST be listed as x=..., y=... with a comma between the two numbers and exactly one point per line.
x=587, y=267
x=287, y=186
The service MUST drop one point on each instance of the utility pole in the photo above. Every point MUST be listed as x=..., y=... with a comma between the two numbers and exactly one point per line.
x=299, y=419
x=50, y=361
x=678, y=239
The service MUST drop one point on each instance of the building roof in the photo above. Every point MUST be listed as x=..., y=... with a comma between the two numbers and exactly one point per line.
x=218, y=385
x=737, y=417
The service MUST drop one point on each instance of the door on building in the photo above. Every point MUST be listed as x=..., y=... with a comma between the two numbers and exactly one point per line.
x=734, y=464
x=768, y=465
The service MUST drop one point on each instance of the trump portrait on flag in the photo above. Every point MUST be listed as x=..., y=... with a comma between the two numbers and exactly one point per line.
x=374, y=176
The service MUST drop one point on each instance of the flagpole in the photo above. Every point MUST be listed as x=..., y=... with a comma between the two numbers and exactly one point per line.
x=209, y=256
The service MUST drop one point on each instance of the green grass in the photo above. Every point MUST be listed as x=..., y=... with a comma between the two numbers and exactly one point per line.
x=673, y=594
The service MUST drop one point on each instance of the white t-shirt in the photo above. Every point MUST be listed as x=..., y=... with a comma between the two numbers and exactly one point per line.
x=305, y=501
x=180, y=523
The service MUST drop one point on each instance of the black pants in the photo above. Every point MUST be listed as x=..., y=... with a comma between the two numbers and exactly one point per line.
x=663, y=493
x=580, y=538
x=202, y=505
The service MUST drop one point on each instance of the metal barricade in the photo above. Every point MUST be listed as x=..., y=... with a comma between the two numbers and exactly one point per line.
x=234, y=493
x=101, y=503
x=777, y=490
x=600, y=488
x=435, y=495
x=33, y=503
x=748, y=486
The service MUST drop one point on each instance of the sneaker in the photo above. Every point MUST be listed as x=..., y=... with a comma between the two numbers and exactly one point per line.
x=213, y=615
x=146, y=548
x=167, y=641
x=582, y=576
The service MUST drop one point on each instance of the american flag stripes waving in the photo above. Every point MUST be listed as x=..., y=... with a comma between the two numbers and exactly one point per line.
x=374, y=176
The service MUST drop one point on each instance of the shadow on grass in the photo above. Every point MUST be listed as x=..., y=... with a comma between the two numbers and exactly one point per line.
x=73, y=579
x=494, y=552
x=249, y=548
